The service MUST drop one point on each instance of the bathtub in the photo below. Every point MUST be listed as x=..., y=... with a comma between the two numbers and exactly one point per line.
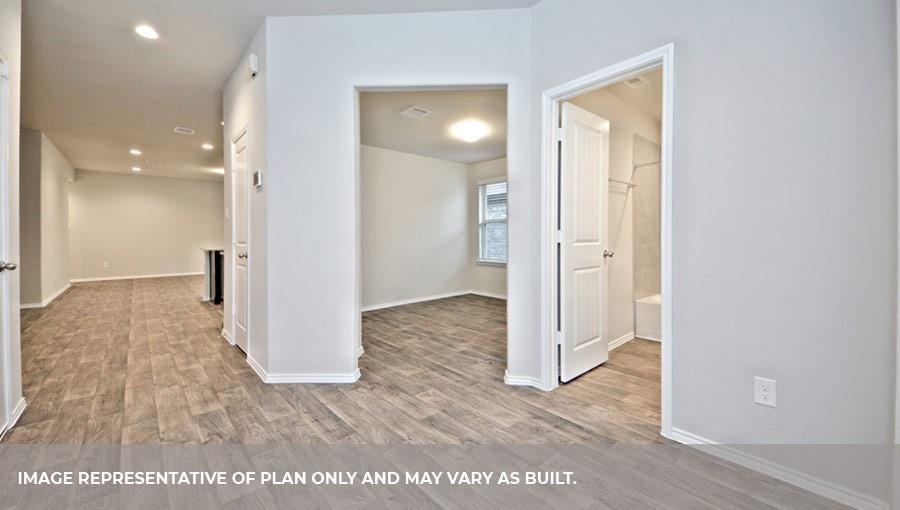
x=648, y=317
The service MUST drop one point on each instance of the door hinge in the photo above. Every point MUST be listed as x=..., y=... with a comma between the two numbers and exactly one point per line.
x=559, y=338
x=559, y=237
x=560, y=134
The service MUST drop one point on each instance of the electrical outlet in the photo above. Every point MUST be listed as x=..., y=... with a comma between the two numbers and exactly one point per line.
x=764, y=391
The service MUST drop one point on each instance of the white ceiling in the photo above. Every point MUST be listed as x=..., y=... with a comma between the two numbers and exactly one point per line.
x=381, y=124
x=96, y=89
x=647, y=99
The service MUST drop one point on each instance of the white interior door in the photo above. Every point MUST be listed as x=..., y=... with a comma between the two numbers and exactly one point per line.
x=10, y=367
x=584, y=183
x=241, y=242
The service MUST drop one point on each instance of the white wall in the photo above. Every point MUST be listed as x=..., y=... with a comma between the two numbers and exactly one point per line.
x=141, y=225
x=486, y=279
x=245, y=108
x=784, y=213
x=312, y=180
x=56, y=174
x=415, y=231
x=625, y=121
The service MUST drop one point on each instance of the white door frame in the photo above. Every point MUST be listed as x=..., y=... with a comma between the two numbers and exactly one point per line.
x=550, y=108
x=243, y=133
x=13, y=405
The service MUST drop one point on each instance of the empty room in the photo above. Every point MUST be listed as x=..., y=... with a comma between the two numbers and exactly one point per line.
x=433, y=210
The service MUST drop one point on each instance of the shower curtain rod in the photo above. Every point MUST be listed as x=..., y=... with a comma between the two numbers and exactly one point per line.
x=647, y=164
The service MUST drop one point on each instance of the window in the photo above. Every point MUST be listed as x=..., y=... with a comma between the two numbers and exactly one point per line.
x=492, y=230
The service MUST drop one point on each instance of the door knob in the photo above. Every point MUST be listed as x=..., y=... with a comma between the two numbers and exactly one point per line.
x=608, y=254
x=7, y=266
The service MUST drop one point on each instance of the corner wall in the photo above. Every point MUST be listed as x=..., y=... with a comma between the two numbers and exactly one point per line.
x=415, y=228
x=312, y=315
x=245, y=108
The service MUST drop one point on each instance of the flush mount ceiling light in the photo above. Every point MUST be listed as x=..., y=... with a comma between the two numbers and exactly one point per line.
x=135, y=169
x=146, y=31
x=470, y=130
x=135, y=152
x=207, y=146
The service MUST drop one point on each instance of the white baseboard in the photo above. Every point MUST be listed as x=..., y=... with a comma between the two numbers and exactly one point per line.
x=16, y=414
x=49, y=300
x=132, y=277
x=301, y=378
x=359, y=352
x=432, y=297
x=410, y=301
x=488, y=294
x=523, y=380
x=227, y=336
x=622, y=340
x=785, y=474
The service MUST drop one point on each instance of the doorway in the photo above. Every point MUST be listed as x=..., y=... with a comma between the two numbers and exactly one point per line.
x=432, y=201
x=578, y=239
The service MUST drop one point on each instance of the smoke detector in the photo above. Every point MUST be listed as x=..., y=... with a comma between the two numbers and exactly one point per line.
x=637, y=82
x=183, y=130
x=415, y=112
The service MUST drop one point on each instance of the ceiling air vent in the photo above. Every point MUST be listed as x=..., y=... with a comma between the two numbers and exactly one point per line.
x=183, y=130
x=637, y=82
x=415, y=112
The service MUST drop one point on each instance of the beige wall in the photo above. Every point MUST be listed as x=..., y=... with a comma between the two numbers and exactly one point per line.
x=140, y=225
x=56, y=175
x=483, y=278
x=415, y=232
x=625, y=121
x=43, y=218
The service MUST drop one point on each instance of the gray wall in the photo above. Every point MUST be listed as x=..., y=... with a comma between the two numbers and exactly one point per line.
x=784, y=203
x=30, y=216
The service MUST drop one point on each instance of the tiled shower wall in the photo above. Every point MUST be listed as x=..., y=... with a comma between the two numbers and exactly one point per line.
x=646, y=218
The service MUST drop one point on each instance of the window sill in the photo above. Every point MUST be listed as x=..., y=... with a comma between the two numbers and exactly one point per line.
x=490, y=263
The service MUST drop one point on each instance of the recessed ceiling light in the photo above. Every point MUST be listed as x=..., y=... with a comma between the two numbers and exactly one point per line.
x=207, y=146
x=470, y=130
x=223, y=122
x=146, y=31
x=135, y=169
x=135, y=152
x=220, y=171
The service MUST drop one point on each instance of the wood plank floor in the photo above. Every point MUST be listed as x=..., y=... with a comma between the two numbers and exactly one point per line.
x=141, y=361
